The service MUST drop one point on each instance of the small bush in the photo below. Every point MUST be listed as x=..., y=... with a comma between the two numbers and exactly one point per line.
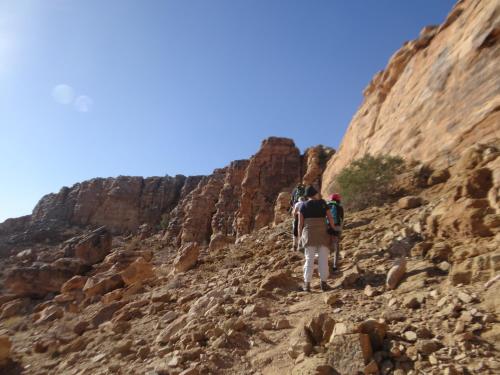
x=368, y=181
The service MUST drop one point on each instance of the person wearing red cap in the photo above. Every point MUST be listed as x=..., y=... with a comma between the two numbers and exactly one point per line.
x=314, y=237
x=337, y=212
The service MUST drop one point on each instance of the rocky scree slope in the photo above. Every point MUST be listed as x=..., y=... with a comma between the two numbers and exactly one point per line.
x=438, y=95
x=144, y=307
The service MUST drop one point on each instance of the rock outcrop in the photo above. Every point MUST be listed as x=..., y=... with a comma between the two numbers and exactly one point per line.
x=275, y=167
x=438, y=95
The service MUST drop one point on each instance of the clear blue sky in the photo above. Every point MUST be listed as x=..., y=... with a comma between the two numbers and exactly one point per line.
x=95, y=88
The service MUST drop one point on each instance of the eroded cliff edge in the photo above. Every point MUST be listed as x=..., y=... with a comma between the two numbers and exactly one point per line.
x=438, y=95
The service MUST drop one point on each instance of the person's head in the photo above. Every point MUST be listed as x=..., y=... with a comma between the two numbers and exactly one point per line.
x=335, y=197
x=311, y=192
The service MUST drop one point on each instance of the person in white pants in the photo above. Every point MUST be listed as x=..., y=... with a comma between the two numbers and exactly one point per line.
x=314, y=237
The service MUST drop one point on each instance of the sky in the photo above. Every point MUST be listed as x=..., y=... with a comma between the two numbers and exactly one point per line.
x=92, y=88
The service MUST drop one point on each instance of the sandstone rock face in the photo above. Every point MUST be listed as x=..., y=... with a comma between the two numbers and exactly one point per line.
x=282, y=207
x=122, y=203
x=38, y=280
x=200, y=207
x=438, y=95
x=470, y=199
x=313, y=164
x=275, y=167
x=227, y=206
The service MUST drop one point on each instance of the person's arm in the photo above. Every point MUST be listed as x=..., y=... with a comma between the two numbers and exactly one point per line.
x=294, y=211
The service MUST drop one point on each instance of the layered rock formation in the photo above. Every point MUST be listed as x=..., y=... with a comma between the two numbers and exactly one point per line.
x=231, y=201
x=438, y=95
x=275, y=167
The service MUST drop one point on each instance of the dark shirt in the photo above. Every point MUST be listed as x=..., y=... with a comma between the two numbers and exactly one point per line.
x=314, y=208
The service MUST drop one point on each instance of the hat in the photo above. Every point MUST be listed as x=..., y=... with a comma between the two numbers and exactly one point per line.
x=335, y=197
x=311, y=191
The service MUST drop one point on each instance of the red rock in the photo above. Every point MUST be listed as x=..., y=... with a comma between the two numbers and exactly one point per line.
x=75, y=283
x=102, y=284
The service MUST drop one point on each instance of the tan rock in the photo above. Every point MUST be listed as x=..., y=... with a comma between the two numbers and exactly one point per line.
x=320, y=328
x=281, y=280
x=313, y=366
x=376, y=330
x=49, y=314
x=187, y=258
x=75, y=283
x=396, y=273
x=410, y=202
x=139, y=270
x=282, y=207
x=420, y=106
x=102, y=284
x=349, y=354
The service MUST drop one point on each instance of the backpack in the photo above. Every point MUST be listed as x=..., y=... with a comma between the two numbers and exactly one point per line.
x=337, y=212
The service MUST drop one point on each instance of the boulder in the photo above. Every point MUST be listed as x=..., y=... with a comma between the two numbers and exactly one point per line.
x=187, y=257
x=396, y=273
x=376, y=330
x=75, y=283
x=320, y=328
x=300, y=342
x=409, y=202
x=40, y=279
x=139, y=270
x=349, y=354
x=281, y=280
x=102, y=283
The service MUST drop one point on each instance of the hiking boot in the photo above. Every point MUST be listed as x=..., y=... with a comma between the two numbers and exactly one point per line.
x=306, y=287
x=324, y=286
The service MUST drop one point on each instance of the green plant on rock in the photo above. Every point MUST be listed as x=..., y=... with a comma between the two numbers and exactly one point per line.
x=368, y=181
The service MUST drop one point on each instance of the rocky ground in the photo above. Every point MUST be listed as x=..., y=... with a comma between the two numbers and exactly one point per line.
x=138, y=307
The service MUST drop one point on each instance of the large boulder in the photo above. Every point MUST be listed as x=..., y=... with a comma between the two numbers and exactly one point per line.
x=187, y=257
x=40, y=279
x=349, y=354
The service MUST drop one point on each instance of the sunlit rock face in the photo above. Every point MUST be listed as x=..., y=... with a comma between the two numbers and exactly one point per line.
x=438, y=95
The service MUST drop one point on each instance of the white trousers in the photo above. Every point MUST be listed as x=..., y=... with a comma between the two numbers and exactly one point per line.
x=309, y=252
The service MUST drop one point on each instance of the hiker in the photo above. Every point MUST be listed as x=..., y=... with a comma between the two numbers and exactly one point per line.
x=297, y=192
x=314, y=237
x=295, y=227
x=337, y=211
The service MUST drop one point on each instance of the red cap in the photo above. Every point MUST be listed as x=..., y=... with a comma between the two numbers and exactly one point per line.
x=335, y=197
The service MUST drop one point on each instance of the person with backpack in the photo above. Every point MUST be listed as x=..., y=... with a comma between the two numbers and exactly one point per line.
x=295, y=227
x=298, y=191
x=314, y=237
x=337, y=211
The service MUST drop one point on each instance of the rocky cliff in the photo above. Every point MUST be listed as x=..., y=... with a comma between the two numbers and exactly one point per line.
x=438, y=95
x=231, y=201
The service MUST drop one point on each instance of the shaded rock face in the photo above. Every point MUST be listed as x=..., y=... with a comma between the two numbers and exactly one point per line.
x=275, y=167
x=438, y=95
